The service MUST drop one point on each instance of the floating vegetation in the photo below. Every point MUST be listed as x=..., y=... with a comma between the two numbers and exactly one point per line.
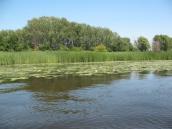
x=24, y=71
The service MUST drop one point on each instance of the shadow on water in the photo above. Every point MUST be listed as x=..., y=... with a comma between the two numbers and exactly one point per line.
x=58, y=84
x=54, y=89
x=70, y=82
x=163, y=73
x=66, y=83
x=59, y=89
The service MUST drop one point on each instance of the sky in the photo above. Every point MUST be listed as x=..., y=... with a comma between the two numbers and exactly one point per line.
x=129, y=18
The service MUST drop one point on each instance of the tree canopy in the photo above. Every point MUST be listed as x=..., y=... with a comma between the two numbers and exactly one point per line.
x=52, y=33
x=162, y=42
x=142, y=44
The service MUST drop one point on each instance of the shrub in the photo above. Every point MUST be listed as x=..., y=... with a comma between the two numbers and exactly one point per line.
x=100, y=48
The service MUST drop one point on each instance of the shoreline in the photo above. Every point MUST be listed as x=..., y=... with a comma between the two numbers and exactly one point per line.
x=11, y=73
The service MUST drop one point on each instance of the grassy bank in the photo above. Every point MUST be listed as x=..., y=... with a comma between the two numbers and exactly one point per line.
x=14, y=72
x=37, y=57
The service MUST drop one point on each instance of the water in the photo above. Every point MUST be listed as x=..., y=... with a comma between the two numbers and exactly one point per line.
x=126, y=101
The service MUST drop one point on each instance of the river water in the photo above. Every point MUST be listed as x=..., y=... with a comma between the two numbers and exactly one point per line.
x=125, y=101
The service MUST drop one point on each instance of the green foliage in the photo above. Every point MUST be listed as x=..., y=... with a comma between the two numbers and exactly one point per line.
x=50, y=33
x=100, y=48
x=63, y=48
x=76, y=49
x=142, y=44
x=162, y=42
x=37, y=57
x=11, y=41
x=122, y=44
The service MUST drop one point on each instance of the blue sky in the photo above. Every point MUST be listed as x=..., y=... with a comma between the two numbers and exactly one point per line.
x=129, y=18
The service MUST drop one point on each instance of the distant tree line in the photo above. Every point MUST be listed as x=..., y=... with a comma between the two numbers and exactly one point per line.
x=51, y=33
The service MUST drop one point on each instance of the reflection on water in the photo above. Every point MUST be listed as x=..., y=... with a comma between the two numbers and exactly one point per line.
x=11, y=87
x=163, y=73
x=126, y=101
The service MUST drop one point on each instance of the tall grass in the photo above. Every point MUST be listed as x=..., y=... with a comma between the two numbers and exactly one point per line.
x=36, y=57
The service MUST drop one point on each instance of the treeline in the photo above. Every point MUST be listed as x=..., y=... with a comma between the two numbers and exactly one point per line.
x=51, y=33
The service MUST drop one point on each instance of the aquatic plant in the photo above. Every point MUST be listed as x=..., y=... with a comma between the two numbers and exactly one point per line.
x=25, y=71
x=37, y=57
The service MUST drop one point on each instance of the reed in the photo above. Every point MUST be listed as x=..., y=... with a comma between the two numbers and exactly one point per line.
x=36, y=57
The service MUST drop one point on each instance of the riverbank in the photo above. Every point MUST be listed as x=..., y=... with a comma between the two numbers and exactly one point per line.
x=10, y=73
x=46, y=57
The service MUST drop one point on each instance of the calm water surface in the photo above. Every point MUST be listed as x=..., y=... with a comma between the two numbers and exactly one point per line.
x=128, y=101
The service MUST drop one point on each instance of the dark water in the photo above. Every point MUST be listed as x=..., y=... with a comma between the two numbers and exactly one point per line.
x=128, y=101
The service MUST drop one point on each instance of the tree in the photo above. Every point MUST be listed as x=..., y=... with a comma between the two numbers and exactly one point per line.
x=162, y=42
x=142, y=44
x=122, y=44
x=10, y=41
x=52, y=33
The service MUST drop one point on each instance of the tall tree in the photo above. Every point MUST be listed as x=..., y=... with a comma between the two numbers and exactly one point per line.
x=142, y=44
x=162, y=42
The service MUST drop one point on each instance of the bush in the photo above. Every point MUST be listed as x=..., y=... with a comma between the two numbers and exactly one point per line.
x=100, y=48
